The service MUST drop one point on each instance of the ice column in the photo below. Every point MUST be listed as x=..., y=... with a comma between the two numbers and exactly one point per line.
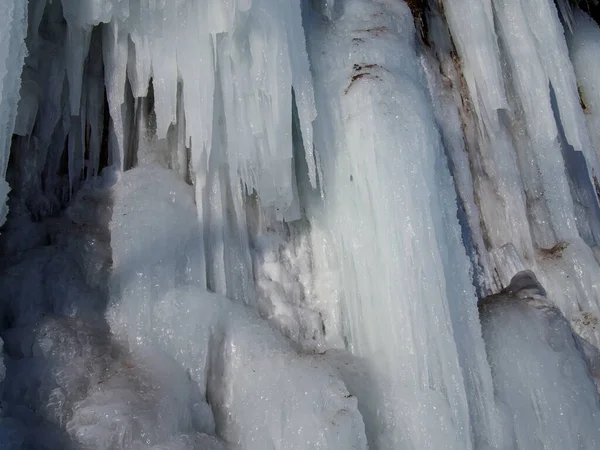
x=388, y=223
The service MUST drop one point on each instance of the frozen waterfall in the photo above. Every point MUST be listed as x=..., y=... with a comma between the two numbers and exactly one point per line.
x=300, y=224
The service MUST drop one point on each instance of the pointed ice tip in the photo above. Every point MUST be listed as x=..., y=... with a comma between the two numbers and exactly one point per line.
x=525, y=285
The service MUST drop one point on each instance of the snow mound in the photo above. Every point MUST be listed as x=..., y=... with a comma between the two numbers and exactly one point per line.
x=238, y=362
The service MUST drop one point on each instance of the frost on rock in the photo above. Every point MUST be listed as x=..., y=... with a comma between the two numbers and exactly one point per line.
x=541, y=372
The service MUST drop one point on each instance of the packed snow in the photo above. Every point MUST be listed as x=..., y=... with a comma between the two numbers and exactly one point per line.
x=309, y=224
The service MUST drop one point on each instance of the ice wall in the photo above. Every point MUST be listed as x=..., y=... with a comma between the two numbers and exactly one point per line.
x=583, y=47
x=316, y=164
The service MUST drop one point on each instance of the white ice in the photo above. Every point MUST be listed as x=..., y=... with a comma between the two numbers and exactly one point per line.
x=262, y=224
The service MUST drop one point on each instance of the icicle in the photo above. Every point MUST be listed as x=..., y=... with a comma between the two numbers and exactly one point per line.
x=78, y=42
x=13, y=26
x=196, y=67
x=471, y=24
x=115, y=52
x=94, y=79
x=584, y=48
x=139, y=69
x=541, y=161
x=303, y=87
x=444, y=84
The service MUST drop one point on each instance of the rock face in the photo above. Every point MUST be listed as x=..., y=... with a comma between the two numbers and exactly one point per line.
x=543, y=371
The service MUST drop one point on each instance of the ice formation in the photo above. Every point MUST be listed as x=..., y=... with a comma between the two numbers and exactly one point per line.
x=12, y=49
x=540, y=370
x=266, y=224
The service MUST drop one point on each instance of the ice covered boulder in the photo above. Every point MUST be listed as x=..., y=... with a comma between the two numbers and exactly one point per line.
x=542, y=370
x=102, y=395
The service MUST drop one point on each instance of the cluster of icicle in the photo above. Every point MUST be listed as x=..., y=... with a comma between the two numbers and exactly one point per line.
x=240, y=59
